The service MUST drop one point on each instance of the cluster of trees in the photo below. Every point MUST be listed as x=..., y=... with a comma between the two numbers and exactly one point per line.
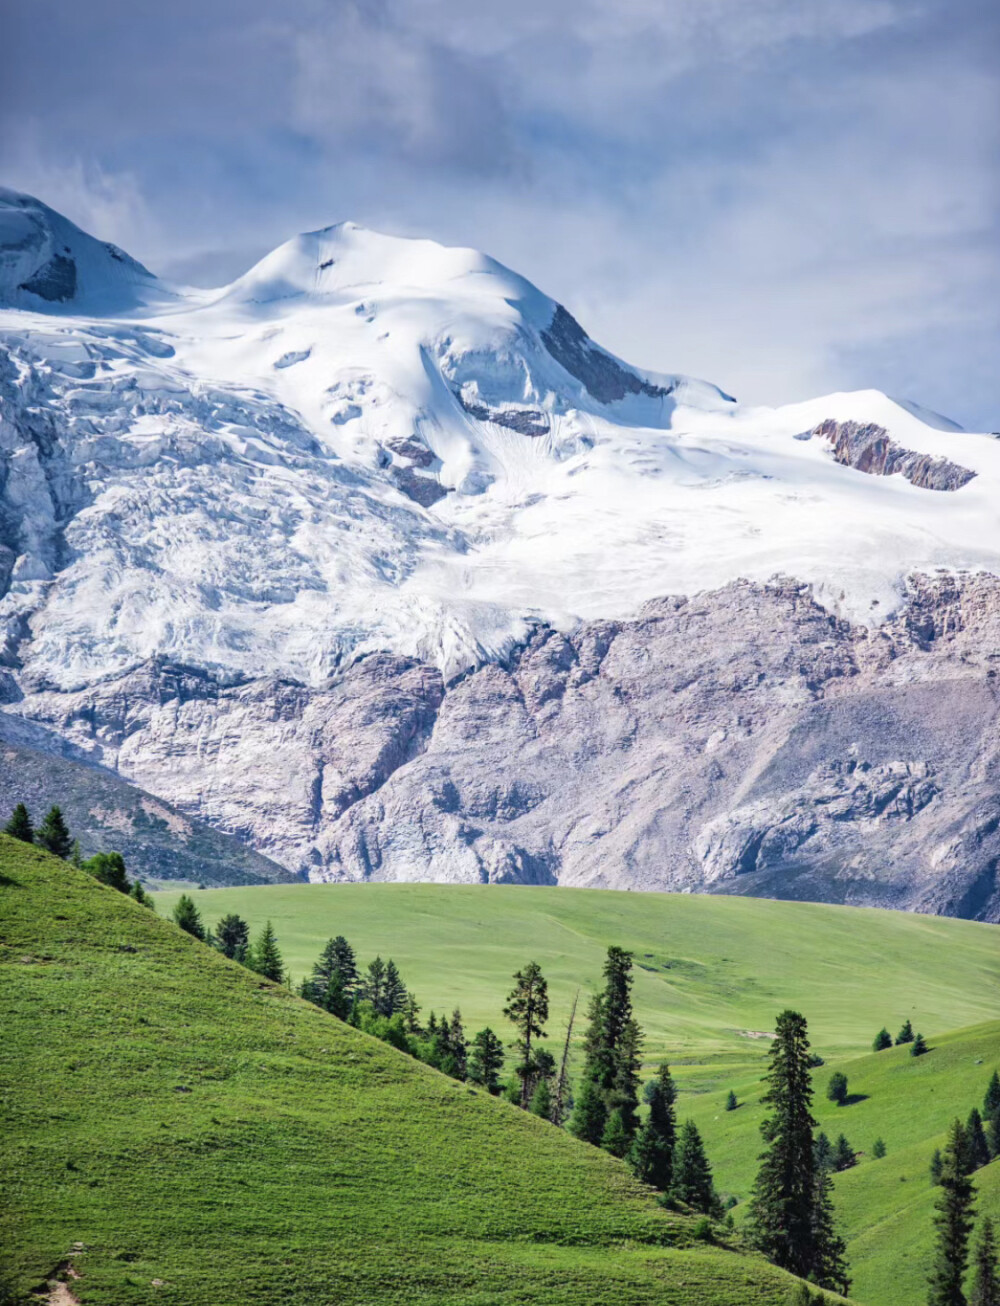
x=954, y=1222
x=54, y=836
x=978, y=1140
x=918, y=1045
x=231, y=937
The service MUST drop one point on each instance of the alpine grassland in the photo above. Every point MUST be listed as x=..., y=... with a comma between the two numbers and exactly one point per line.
x=178, y=1129
x=711, y=974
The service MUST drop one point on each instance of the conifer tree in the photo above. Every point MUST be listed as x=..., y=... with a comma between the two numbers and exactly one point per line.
x=335, y=968
x=652, y=1153
x=883, y=1040
x=785, y=1214
x=985, y=1268
x=394, y=994
x=918, y=1047
x=878, y=1149
x=844, y=1155
x=953, y=1224
x=232, y=937
x=823, y=1153
x=458, y=1046
x=615, y=1138
x=265, y=957
x=109, y=868
x=691, y=1182
x=731, y=1102
x=188, y=918
x=991, y=1114
x=936, y=1166
x=486, y=1061
x=19, y=826
x=905, y=1035
x=141, y=896
x=411, y=1015
x=977, y=1151
x=836, y=1090
x=560, y=1098
x=541, y=1099
x=830, y=1266
x=53, y=834
x=590, y=1115
x=612, y=1045
x=374, y=982
x=527, y=1009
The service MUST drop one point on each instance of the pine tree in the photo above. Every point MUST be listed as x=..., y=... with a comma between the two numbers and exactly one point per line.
x=953, y=1224
x=232, y=937
x=878, y=1149
x=830, y=1265
x=187, y=916
x=615, y=1138
x=918, y=1047
x=590, y=1115
x=991, y=1114
x=109, y=868
x=486, y=1061
x=336, y=963
x=692, y=1178
x=844, y=1156
x=784, y=1213
x=731, y=1102
x=541, y=1100
x=374, y=982
x=394, y=994
x=986, y=1268
x=823, y=1153
x=836, y=1090
x=53, y=834
x=141, y=896
x=459, y=1047
x=652, y=1153
x=19, y=826
x=612, y=1046
x=527, y=1009
x=411, y=1016
x=264, y=957
x=883, y=1040
x=977, y=1150
x=936, y=1166
x=905, y=1035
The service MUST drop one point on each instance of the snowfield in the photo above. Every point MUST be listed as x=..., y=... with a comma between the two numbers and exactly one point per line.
x=369, y=443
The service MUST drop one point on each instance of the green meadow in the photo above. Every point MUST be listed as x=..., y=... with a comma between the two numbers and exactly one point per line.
x=177, y=1129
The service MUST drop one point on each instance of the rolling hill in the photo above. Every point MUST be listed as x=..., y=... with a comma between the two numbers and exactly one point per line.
x=177, y=1129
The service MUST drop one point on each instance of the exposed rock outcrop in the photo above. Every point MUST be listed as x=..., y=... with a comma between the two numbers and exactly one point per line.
x=868, y=448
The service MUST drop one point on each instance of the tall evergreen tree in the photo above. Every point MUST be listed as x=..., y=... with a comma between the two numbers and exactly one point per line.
x=936, y=1166
x=560, y=1098
x=232, y=937
x=19, y=826
x=541, y=1099
x=590, y=1115
x=844, y=1155
x=985, y=1268
x=187, y=916
x=830, y=1266
x=265, y=958
x=823, y=1154
x=691, y=1182
x=527, y=1009
x=652, y=1153
x=612, y=1046
x=336, y=963
x=784, y=1213
x=991, y=1114
x=109, y=868
x=731, y=1102
x=459, y=1046
x=53, y=834
x=905, y=1035
x=486, y=1061
x=411, y=1015
x=374, y=982
x=883, y=1040
x=977, y=1149
x=393, y=997
x=953, y=1224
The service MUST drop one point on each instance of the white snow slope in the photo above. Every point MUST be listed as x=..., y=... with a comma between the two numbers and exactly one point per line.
x=375, y=443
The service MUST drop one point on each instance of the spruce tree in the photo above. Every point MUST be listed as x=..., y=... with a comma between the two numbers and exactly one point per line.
x=844, y=1155
x=936, y=1166
x=486, y=1061
x=19, y=826
x=394, y=994
x=953, y=1224
x=985, y=1268
x=53, y=834
x=883, y=1040
x=335, y=963
x=836, y=1090
x=652, y=1153
x=541, y=1100
x=823, y=1153
x=459, y=1047
x=612, y=1046
x=691, y=1182
x=374, y=982
x=141, y=896
x=905, y=1035
x=991, y=1114
x=977, y=1150
x=411, y=1016
x=232, y=937
x=187, y=916
x=878, y=1149
x=785, y=1207
x=918, y=1047
x=527, y=1009
x=265, y=958
x=590, y=1115
x=109, y=868
x=731, y=1102
x=615, y=1138
x=830, y=1265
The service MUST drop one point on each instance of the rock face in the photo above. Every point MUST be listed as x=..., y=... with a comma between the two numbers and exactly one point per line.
x=867, y=447
x=741, y=741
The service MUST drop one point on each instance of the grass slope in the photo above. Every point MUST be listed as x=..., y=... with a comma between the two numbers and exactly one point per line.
x=209, y=1138
x=711, y=971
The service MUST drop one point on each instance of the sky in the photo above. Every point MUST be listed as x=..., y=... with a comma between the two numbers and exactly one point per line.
x=786, y=197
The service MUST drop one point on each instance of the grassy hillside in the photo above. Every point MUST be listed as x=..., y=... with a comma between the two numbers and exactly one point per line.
x=711, y=971
x=178, y=1130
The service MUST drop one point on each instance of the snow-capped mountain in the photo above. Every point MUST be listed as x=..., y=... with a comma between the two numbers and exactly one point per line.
x=372, y=447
